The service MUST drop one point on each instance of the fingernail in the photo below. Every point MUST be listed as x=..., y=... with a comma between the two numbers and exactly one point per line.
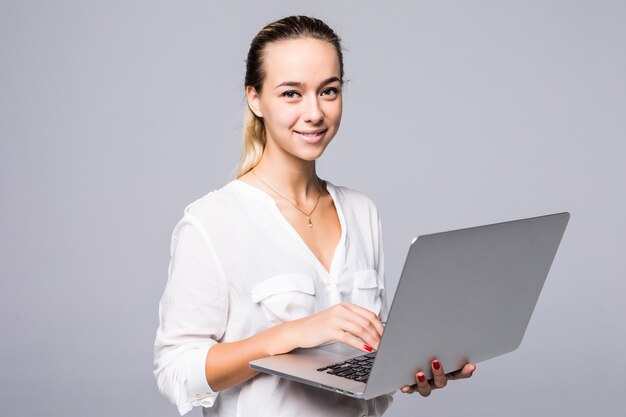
x=436, y=365
x=367, y=347
x=421, y=377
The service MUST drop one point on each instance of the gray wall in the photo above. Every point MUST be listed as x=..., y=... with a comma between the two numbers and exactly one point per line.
x=115, y=114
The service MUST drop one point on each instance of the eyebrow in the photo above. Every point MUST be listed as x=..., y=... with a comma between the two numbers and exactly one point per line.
x=298, y=83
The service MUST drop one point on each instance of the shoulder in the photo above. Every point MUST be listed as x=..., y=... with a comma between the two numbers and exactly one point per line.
x=216, y=202
x=351, y=199
x=220, y=210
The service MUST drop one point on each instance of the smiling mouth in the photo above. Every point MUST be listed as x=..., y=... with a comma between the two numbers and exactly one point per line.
x=312, y=136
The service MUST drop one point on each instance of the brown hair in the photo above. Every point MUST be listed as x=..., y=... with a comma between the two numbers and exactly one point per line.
x=289, y=28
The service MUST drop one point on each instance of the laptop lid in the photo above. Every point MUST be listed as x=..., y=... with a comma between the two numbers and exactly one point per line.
x=464, y=296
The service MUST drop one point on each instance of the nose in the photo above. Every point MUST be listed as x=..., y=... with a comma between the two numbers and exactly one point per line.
x=313, y=111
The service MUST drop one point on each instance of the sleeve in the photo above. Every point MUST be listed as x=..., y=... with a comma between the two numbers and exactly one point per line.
x=192, y=317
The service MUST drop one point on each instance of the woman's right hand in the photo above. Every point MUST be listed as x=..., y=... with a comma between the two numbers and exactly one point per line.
x=345, y=322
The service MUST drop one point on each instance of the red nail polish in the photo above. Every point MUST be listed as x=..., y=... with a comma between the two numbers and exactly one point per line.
x=421, y=377
x=436, y=365
x=368, y=348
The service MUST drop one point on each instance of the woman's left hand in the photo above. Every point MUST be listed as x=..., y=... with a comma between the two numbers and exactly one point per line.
x=440, y=378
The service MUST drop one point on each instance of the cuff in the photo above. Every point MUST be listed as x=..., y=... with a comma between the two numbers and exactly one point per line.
x=198, y=389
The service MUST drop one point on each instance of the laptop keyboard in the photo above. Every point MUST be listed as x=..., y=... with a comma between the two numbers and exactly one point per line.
x=357, y=369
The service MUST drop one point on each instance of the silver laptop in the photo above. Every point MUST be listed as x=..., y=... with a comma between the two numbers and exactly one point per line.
x=463, y=296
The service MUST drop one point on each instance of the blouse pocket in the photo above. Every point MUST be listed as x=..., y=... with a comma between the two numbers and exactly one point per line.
x=285, y=297
x=368, y=290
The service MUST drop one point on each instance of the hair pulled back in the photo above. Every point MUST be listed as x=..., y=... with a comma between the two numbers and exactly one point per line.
x=289, y=28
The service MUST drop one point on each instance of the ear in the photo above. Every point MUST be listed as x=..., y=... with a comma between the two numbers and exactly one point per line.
x=254, y=101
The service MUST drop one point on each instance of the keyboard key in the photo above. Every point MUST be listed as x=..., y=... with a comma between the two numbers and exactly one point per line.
x=339, y=370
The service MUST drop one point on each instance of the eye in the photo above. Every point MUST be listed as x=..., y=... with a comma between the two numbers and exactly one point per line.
x=331, y=91
x=291, y=94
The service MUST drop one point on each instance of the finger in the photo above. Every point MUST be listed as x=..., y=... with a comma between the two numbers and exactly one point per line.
x=367, y=315
x=351, y=340
x=423, y=387
x=439, y=377
x=408, y=389
x=464, y=372
x=366, y=335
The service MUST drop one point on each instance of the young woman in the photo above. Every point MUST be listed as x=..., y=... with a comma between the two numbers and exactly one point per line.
x=278, y=258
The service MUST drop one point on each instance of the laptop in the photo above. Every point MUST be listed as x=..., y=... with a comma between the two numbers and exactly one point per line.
x=463, y=296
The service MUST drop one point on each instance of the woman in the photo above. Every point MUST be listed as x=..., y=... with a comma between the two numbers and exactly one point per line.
x=277, y=259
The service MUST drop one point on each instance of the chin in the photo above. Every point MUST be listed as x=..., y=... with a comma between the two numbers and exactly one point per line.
x=309, y=158
x=311, y=155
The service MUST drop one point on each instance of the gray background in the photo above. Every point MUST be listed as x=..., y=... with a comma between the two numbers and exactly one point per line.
x=115, y=114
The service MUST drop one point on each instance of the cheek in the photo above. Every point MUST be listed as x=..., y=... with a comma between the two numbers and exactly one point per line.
x=333, y=111
x=284, y=117
x=290, y=116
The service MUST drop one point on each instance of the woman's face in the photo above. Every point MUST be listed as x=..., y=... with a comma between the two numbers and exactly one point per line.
x=300, y=101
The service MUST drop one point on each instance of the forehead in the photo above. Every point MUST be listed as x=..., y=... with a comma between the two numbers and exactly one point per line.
x=302, y=60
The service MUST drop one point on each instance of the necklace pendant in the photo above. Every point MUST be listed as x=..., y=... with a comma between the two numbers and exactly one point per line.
x=308, y=216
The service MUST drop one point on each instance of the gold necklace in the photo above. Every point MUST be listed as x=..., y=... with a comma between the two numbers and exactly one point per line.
x=308, y=215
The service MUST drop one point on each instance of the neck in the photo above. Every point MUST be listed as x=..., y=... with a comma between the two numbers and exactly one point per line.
x=296, y=179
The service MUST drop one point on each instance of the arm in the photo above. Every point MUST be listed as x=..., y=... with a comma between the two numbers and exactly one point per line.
x=227, y=363
x=192, y=318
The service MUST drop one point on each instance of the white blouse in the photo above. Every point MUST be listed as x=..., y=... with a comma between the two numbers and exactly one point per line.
x=239, y=267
